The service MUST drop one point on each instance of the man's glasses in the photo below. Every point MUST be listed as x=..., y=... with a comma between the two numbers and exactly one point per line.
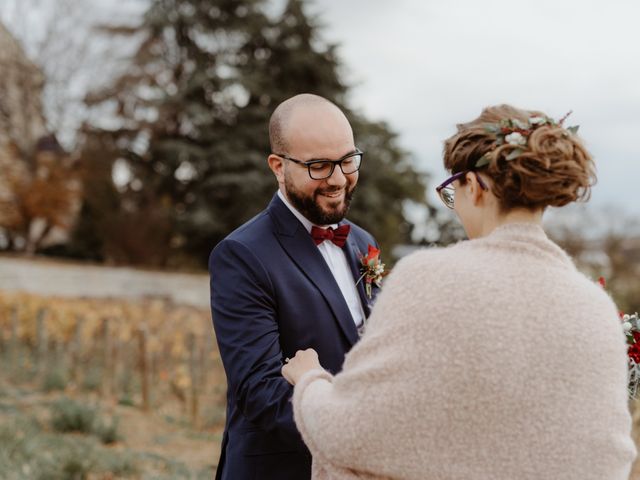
x=321, y=169
x=447, y=192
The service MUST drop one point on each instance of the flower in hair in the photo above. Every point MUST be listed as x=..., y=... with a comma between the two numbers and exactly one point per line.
x=515, y=138
x=516, y=133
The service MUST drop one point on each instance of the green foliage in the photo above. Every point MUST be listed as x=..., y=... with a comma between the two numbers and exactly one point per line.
x=70, y=416
x=55, y=379
x=76, y=468
x=107, y=431
x=92, y=379
x=387, y=183
x=28, y=452
x=193, y=113
x=126, y=400
x=18, y=364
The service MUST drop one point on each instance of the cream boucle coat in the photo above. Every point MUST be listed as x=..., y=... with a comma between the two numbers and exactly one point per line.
x=491, y=359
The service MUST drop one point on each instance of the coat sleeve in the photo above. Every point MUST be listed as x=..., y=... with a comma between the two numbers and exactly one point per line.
x=244, y=318
x=342, y=417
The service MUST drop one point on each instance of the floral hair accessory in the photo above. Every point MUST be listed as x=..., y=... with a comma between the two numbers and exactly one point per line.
x=372, y=270
x=516, y=132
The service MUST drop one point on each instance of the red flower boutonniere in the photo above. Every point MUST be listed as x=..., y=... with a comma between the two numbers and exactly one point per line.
x=372, y=270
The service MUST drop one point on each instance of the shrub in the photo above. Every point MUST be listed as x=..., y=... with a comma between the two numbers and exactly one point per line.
x=93, y=378
x=107, y=432
x=55, y=379
x=126, y=400
x=70, y=416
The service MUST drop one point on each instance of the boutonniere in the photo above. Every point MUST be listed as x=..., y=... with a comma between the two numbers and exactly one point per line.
x=372, y=269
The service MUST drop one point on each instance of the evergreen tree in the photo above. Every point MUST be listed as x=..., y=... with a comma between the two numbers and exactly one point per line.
x=193, y=115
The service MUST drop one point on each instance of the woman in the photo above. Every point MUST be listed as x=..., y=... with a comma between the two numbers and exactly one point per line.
x=490, y=359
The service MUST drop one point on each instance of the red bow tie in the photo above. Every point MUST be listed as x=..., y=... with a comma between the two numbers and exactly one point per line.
x=337, y=236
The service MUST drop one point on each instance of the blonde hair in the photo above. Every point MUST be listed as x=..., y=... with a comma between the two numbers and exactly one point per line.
x=554, y=168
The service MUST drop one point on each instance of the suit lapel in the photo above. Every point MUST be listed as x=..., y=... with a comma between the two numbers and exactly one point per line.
x=352, y=252
x=298, y=244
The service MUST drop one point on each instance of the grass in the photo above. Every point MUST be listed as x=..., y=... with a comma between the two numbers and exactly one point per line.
x=71, y=416
x=29, y=451
x=55, y=379
x=92, y=379
x=54, y=435
x=55, y=425
x=107, y=431
x=126, y=400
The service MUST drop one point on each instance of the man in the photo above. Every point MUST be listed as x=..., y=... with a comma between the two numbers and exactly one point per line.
x=287, y=280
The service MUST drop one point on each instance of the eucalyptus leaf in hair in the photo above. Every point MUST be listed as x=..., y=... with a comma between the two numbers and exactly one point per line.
x=515, y=132
x=533, y=160
x=492, y=128
x=484, y=160
x=521, y=125
x=514, y=154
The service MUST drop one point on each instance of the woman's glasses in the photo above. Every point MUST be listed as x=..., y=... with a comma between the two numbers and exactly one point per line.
x=447, y=192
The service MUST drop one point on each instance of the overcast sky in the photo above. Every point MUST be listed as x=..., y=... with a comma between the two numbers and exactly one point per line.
x=425, y=65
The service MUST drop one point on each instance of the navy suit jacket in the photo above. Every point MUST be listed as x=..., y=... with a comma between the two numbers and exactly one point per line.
x=272, y=294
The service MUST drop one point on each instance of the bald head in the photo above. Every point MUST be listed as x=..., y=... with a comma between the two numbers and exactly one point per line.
x=301, y=111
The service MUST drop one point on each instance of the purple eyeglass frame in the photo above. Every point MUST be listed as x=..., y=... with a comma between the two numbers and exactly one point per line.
x=455, y=177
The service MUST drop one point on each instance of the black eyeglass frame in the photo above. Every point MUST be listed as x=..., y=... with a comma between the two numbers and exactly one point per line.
x=452, y=179
x=333, y=163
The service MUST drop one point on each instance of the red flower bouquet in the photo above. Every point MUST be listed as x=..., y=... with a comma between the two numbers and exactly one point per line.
x=631, y=328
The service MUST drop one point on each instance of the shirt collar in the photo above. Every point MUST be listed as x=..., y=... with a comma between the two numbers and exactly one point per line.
x=304, y=220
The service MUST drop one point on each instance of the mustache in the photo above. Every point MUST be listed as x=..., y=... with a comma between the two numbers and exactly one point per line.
x=330, y=190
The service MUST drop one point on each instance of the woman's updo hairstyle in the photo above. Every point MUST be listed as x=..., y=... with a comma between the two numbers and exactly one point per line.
x=533, y=161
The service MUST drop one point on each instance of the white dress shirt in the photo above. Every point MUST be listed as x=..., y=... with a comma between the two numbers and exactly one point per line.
x=338, y=264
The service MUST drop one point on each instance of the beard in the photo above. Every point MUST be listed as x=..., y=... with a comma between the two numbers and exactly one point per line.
x=308, y=205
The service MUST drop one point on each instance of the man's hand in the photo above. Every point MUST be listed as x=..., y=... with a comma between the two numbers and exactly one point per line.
x=304, y=361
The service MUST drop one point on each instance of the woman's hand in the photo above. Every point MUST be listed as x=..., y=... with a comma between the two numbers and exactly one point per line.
x=304, y=361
